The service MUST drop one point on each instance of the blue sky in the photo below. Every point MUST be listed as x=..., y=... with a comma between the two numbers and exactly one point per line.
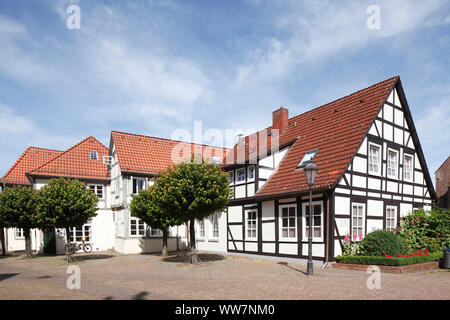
x=152, y=67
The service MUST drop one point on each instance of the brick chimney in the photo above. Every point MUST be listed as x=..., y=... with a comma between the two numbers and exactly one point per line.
x=280, y=119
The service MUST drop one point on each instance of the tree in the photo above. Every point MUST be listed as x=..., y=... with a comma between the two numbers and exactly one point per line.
x=143, y=207
x=66, y=204
x=191, y=190
x=18, y=209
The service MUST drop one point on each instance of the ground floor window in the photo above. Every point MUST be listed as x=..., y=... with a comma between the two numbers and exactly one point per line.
x=391, y=217
x=201, y=227
x=18, y=233
x=215, y=226
x=137, y=227
x=78, y=234
x=317, y=221
x=251, y=219
x=358, y=221
x=288, y=222
x=155, y=232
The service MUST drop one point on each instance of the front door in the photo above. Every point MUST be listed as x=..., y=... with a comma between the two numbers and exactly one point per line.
x=49, y=240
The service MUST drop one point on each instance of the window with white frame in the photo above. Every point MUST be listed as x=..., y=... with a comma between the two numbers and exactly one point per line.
x=93, y=155
x=392, y=164
x=408, y=167
x=78, y=234
x=155, y=232
x=317, y=221
x=137, y=227
x=18, y=233
x=231, y=177
x=288, y=221
x=251, y=220
x=391, y=217
x=97, y=189
x=251, y=173
x=215, y=226
x=138, y=185
x=201, y=229
x=240, y=175
x=358, y=211
x=374, y=159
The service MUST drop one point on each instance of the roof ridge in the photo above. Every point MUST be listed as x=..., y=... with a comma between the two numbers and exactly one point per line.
x=167, y=139
x=28, y=149
x=324, y=105
x=346, y=96
x=65, y=152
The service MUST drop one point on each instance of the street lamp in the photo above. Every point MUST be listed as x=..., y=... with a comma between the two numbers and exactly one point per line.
x=310, y=173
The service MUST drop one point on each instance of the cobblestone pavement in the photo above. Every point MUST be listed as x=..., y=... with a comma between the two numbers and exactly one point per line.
x=108, y=275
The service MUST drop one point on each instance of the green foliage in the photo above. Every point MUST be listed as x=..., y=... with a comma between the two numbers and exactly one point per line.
x=385, y=261
x=426, y=229
x=18, y=207
x=381, y=243
x=143, y=207
x=65, y=203
x=191, y=190
x=352, y=247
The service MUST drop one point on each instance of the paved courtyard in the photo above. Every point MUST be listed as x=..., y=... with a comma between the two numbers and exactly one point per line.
x=108, y=275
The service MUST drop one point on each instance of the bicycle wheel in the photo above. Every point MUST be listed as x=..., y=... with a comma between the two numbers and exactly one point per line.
x=87, y=248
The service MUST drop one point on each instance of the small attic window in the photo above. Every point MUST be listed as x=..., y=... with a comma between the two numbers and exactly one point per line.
x=93, y=155
x=307, y=158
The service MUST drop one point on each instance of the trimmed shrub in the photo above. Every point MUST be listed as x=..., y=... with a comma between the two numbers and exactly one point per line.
x=385, y=261
x=381, y=243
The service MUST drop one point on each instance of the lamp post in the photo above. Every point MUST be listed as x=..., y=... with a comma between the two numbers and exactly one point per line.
x=310, y=173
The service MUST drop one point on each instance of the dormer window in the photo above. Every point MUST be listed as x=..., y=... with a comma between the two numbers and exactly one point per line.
x=307, y=158
x=93, y=155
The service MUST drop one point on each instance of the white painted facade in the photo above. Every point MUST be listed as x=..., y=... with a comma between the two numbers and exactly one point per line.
x=395, y=184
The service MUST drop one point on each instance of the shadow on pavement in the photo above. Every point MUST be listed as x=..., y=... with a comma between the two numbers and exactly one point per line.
x=92, y=257
x=140, y=296
x=204, y=257
x=4, y=276
x=286, y=264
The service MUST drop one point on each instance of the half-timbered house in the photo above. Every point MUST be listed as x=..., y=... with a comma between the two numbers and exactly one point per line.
x=135, y=162
x=372, y=171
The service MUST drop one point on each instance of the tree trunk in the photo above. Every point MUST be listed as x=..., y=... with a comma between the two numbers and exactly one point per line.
x=68, y=251
x=192, y=253
x=192, y=234
x=27, y=235
x=2, y=239
x=165, y=252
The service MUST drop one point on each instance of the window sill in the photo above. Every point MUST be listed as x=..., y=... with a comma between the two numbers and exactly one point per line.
x=213, y=240
x=287, y=239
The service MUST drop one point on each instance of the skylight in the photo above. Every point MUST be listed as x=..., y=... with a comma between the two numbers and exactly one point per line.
x=307, y=158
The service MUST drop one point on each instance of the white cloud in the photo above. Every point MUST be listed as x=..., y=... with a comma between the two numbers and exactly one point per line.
x=322, y=29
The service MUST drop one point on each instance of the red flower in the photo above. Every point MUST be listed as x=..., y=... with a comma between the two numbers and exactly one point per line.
x=388, y=256
x=426, y=253
x=399, y=255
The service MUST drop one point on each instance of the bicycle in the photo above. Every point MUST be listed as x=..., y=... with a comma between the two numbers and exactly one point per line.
x=75, y=247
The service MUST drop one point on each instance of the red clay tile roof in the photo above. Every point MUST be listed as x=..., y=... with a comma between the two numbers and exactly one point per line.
x=150, y=155
x=30, y=159
x=337, y=129
x=76, y=163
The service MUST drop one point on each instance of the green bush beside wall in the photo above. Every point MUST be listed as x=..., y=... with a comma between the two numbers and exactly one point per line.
x=385, y=261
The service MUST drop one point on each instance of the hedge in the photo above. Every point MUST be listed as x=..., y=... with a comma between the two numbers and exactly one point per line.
x=385, y=261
